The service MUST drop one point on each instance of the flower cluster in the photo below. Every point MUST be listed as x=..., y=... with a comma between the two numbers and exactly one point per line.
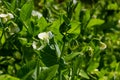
x=6, y=17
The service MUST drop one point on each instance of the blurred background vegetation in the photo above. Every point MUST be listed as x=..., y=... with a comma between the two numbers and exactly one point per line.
x=87, y=32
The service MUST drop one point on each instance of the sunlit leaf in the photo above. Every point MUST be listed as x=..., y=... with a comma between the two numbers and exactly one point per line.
x=82, y=73
x=55, y=29
x=112, y=6
x=92, y=66
x=75, y=28
x=25, y=12
x=42, y=23
x=94, y=22
x=85, y=16
x=3, y=39
x=77, y=11
x=23, y=41
x=8, y=77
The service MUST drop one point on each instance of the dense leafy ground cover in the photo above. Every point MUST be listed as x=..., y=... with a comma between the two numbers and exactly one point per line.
x=59, y=40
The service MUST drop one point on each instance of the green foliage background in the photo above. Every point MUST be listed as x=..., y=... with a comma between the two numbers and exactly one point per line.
x=85, y=46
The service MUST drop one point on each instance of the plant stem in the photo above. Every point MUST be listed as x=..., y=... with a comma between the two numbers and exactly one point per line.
x=62, y=52
x=60, y=74
x=3, y=29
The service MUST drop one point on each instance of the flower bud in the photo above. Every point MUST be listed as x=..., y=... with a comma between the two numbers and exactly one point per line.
x=103, y=46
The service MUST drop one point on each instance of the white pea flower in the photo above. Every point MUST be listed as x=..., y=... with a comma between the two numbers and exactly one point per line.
x=118, y=21
x=6, y=17
x=74, y=1
x=3, y=15
x=10, y=16
x=34, y=45
x=36, y=14
x=45, y=36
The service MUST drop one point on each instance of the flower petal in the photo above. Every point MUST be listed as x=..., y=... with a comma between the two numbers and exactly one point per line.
x=3, y=15
x=34, y=45
x=10, y=15
x=37, y=14
x=50, y=35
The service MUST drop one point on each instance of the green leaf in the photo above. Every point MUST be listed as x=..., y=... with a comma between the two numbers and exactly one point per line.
x=42, y=23
x=3, y=39
x=49, y=56
x=71, y=56
x=13, y=5
x=93, y=66
x=66, y=20
x=77, y=11
x=64, y=27
x=49, y=73
x=112, y=6
x=83, y=74
x=17, y=55
x=55, y=29
x=85, y=16
x=25, y=15
x=26, y=71
x=26, y=10
x=8, y=77
x=94, y=22
x=23, y=41
x=75, y=28
x=118, y=67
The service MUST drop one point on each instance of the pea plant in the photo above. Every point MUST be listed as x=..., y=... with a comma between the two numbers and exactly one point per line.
x=59, y=40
